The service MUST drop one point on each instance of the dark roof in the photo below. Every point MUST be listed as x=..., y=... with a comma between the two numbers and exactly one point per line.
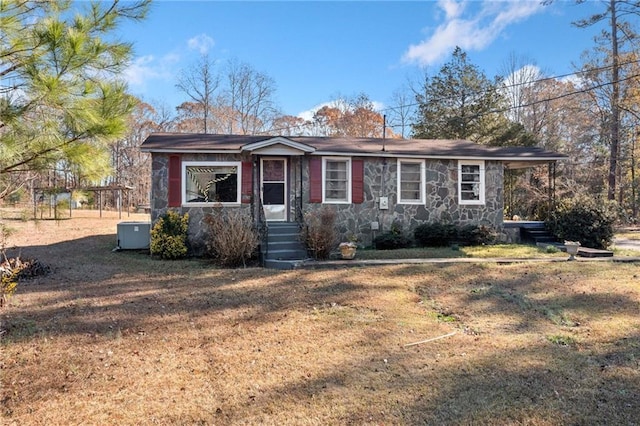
x=432, y=148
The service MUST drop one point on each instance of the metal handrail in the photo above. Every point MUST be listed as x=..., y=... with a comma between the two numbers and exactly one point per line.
x=263, y=227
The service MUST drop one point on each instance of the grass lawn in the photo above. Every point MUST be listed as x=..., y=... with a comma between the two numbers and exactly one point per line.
x=119, y=338
x=492, y=251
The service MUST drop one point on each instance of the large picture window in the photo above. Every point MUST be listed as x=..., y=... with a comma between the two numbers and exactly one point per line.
x=211, y=182
x=336, y=178
x=471, y=182
x=411, y=181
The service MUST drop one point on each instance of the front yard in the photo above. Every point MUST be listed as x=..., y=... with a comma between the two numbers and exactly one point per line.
x=119, y=338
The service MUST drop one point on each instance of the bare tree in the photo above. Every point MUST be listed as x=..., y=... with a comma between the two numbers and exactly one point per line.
x=354, y=116
x=247, y=99
x=131, y=166
x=288, y=125
x=519, y=75
x=200, y=83
x=402, y=110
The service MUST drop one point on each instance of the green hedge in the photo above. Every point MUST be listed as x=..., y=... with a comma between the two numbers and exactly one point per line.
x=436, y=234
x=585, y=219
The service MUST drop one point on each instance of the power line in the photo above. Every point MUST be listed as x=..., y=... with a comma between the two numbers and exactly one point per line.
x=530, y=82
x=564, y=95
x=514, y=85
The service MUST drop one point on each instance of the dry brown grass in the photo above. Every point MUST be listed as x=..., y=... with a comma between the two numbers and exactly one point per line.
x=119, y=338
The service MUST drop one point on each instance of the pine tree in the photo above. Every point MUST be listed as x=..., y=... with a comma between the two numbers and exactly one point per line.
x=60, y=98
x=461, y=102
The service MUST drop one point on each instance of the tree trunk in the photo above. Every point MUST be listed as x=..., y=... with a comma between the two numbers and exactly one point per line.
x=615, y=111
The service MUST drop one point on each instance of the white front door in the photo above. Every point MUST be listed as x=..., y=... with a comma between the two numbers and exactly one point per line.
x=274, y=188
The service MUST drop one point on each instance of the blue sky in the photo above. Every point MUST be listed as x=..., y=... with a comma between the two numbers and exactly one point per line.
x=316, y=51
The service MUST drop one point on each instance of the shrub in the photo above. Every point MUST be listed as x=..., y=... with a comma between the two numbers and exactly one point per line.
x=14, y=269
x=477, y=235
x=587, y=220
x=444, y=234
x=232, y=238
x=169, y=236
x=319, y=233
x=435, y=234
x=8, y=277
x=392, y=239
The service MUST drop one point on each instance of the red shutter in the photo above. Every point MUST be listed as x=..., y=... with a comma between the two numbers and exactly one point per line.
x=357, y=181
x=175, y=181
x=247, y=181
x=315, y=180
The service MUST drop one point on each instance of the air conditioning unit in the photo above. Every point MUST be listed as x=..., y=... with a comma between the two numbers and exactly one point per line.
x=134, y=235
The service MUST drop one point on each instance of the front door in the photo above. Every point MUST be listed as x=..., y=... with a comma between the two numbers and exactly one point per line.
x=274, y=188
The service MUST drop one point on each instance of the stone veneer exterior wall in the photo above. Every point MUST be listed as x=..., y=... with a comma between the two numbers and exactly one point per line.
x=380, y=179
x=159, y=197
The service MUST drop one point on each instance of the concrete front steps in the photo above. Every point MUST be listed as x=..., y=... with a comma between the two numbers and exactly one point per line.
x=536, y=233
x=284, y=248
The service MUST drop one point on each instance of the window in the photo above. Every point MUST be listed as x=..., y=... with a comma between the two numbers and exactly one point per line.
x=471, y=182
x=336, y=179
x=211, y=182
x=411, y=181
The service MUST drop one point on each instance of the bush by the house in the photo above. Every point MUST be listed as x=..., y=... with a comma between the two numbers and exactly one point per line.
x=476, y=235
x=319, y=233
x=392, y=239
x=438, y=234
x=435, y=234
x=587, y=220
x=169, y=236
x=232, y=238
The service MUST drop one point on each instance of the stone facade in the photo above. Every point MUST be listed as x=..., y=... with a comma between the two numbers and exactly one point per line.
x=160, y=196
x=380, y=180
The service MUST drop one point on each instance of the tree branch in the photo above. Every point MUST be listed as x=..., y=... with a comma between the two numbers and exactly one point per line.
x=38, y=154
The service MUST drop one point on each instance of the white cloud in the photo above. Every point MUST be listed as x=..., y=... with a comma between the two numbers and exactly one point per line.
x=524, y=76
x=146, y=68
x=140, y=71
x=469, y=32
x=574, y=79
x=171, y=58
x=202, y=43
x=307, y=115
x=452, y=8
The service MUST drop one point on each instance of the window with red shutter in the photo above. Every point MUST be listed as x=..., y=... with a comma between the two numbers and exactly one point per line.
x=247, y=181
x=357, y=181
x=174, y=188
x=315, y=180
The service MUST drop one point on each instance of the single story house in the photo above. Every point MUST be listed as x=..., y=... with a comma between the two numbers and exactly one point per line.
x=372, y=183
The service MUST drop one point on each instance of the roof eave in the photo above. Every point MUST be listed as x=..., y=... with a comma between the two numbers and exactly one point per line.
x=191, y=151
x=255, y=146
x=441, y=156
